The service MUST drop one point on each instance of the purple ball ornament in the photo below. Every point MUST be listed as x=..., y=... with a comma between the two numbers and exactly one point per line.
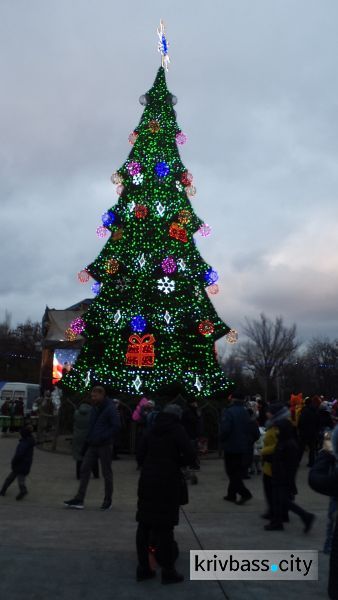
x=77, y=325
x=181, y=138
x=162, y=169
x=168, y=265
x=134, y=168
x=204, y=230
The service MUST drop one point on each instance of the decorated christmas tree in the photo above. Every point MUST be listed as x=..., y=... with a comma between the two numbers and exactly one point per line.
x=152, y=326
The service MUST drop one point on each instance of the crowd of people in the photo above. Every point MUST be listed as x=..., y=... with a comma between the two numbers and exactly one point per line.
x=257, y=439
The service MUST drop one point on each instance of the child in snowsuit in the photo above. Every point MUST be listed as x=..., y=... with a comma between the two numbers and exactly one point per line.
x=21, y=462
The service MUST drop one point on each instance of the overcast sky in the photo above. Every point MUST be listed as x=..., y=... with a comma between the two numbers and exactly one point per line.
x=257, y=89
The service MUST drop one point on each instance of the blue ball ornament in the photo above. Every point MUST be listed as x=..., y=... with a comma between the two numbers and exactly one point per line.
x=96, y=287
x=108, y=218
x=211, y=276
x=138, y=324
x=162, y=169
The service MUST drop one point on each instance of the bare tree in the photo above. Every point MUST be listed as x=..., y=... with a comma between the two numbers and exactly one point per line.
x=321, y=361
x=20, y=354
x=5, y=325
x=270, y=345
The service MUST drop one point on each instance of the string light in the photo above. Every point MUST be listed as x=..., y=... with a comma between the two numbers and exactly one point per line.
x=77, y=325
x=127, y=275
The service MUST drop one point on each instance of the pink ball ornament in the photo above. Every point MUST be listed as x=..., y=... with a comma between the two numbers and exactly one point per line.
x=116, y=178
x=120, y=189
x=101, y=231
x=169, y=265
x=77, y=325
x=181, y=138
x=204, y=230
x=213, y=289
x=132, y=137
x=190, y=190
x=134, y=168
x=83, y=276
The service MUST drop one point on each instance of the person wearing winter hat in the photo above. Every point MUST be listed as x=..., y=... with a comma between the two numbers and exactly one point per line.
x=269, y=446
x=162, y=452
x=284, y=460
x=323, y=478
x=235, y=436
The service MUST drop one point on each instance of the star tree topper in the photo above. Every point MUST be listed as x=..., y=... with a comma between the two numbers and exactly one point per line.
x=163, y=45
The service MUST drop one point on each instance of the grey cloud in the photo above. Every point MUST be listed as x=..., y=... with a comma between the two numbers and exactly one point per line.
x=257, y=90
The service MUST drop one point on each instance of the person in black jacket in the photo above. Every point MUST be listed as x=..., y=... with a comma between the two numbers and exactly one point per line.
x=323, y=478
x=192, y=423
x=104, y=424
x=308, y=430
x=21, y=462
x=253, y=436
x=284, y=466
x=162, y=453
x=235, y=435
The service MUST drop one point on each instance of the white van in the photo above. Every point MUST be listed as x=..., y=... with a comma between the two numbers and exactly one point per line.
x=28, y=392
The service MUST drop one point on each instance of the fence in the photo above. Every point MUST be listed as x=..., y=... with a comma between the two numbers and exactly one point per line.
x=54, y=432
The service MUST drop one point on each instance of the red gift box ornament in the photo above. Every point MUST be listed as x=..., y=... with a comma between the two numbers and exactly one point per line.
x=140, y=351
x=177, y=232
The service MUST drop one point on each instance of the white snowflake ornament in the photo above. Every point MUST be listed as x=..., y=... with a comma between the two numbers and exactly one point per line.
x=166, y=285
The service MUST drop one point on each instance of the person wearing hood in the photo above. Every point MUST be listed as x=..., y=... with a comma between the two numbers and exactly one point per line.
x=284, y=466
x=81, y=426
x=163, y=451
x=274, y=412
x=323, y=478
x=21, y=462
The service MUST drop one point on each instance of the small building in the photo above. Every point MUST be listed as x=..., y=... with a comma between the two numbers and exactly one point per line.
x=59, y=352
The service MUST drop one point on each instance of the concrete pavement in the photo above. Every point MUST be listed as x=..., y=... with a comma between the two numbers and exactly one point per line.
x=51, y=552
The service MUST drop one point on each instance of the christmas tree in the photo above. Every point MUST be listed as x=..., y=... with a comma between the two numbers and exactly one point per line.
x=152, y=326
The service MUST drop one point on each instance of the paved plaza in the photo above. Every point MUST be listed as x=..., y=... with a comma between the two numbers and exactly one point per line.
x=49, y=552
